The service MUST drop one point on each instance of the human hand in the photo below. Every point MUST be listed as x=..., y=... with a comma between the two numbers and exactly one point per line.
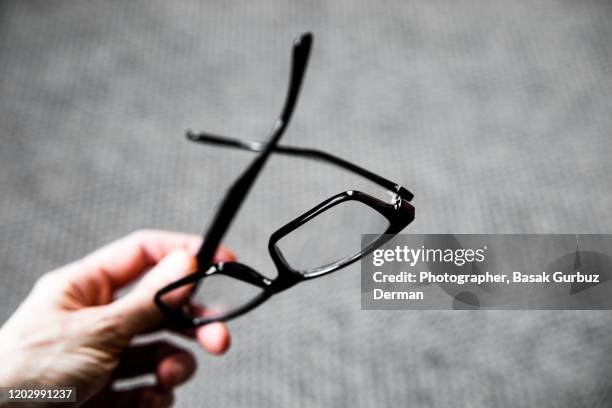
x=71, y=331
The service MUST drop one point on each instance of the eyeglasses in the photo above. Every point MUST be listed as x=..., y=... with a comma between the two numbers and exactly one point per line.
x=247, y=288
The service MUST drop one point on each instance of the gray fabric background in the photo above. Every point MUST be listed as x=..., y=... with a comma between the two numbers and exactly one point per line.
x=495, y=113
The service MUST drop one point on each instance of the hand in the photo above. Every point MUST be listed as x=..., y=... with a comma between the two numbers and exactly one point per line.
x=70, y=330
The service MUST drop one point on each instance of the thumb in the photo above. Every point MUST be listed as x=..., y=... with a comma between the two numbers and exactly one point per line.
x=138, y=310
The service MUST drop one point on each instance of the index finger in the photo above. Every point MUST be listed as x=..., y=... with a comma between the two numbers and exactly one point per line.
x=124, y=260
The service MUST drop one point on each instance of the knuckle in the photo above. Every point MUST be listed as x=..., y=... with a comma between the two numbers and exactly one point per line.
x=47, y=280
x=108, y=327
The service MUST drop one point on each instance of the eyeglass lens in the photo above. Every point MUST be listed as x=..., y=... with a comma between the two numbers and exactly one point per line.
x=332, y=236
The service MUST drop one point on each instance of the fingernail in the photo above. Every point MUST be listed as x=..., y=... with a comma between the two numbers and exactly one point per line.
x=181, y=262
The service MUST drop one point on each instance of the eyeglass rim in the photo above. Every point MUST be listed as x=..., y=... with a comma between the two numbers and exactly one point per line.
x=400, y=213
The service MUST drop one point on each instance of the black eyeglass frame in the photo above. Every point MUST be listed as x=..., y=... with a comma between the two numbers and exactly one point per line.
x=399, y=214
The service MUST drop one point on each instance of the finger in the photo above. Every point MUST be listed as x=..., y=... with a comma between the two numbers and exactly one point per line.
x=124, y=260
x=213, y=337
x=174, y=370
x=171, y=364
x=137, y=309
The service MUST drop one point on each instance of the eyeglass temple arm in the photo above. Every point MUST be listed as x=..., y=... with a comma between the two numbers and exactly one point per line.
x=239, y=190
x=301, y=152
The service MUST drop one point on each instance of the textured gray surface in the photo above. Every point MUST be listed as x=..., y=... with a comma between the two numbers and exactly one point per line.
x=496, y=114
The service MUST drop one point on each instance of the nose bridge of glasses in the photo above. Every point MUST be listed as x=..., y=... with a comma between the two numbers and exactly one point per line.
x=242, y=272
x=247, y=274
